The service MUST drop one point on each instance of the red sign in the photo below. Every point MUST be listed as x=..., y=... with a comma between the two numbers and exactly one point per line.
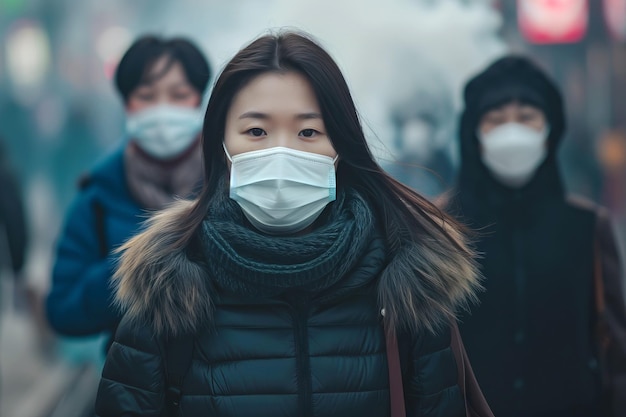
x=553, y=21
x=615, y=16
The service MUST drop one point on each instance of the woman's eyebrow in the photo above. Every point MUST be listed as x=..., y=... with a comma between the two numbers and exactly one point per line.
x=264, y=116
x=307, y=116
x=254, y=115
x=178, y=85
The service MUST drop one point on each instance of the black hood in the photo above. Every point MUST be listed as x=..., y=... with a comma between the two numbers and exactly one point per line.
x=509, y=79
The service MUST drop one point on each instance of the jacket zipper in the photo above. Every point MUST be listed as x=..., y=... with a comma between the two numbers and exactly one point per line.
x=520, y=307
x=303, y=365
x=520, y=281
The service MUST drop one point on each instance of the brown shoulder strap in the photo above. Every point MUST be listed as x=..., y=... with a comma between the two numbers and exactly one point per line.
x=602, y=332
x=457, y=349
x=396, y=388
x=598, y=282
x=475, y=403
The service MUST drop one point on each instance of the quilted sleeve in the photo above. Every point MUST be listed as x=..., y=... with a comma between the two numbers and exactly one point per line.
x=133, y=379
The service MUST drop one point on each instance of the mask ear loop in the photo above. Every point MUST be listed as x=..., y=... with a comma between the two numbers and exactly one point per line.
x=226, y=152
x=335, y=159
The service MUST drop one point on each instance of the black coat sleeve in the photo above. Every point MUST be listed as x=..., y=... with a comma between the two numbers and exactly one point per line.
x=133, y=378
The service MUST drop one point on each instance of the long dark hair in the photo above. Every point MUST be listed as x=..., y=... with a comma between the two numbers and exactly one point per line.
x=404, y=215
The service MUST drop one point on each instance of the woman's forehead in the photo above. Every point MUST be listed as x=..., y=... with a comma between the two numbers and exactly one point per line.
x=275, y=93
x=165, y=70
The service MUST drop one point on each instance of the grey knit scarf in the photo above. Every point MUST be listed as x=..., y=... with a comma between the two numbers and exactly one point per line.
x=246, y=262
x=155, y=184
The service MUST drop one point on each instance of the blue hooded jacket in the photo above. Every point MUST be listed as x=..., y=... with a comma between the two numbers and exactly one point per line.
x=102, y=216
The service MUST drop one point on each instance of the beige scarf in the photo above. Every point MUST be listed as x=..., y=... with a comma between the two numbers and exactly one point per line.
x=155, y=184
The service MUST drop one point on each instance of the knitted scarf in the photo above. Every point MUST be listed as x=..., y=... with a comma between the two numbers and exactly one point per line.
x=155, y=184
x=246, y=262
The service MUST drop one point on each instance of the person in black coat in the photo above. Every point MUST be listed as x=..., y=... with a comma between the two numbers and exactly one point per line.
x=296, y=268
x=553, y=276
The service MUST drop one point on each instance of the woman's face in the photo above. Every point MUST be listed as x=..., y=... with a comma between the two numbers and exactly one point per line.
x=513, y=113
x=276, y=109
x=169, y=87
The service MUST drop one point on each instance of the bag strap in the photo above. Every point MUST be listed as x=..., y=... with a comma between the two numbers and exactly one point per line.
x=178, y=354
x=598, y=282
x=602, y=333
x=396, y=388
x=457, y=348
x=103, y=250
x=99, y=217
x=84, y=181
x=475, y=403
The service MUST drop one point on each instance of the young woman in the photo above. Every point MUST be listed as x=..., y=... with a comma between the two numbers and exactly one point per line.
x=161, y=82
x=551, y=267
x=285, y=271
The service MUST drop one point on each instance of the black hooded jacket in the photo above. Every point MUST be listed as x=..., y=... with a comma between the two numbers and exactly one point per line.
x=531, y=341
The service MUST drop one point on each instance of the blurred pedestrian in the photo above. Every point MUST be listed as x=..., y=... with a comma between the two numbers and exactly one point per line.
x=423, y=125
x=267, y=296
x=549, y=337
x=13, y=232
x=161, y=82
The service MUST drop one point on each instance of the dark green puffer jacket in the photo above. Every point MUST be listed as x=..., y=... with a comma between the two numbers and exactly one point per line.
x=289, y=355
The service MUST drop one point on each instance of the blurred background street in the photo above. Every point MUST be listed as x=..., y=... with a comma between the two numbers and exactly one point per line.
x=59, y=113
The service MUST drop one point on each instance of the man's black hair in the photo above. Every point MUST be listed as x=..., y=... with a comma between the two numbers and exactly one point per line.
x=135, y=68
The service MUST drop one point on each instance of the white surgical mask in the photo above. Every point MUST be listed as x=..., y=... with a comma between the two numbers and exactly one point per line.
x=282, y=190
x=164, y=131
x=417, y=140
x=513, y=152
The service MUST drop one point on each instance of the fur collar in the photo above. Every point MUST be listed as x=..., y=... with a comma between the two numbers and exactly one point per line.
x=421, y=288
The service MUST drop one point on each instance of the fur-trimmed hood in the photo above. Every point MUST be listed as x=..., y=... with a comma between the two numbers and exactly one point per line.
x=421, y=288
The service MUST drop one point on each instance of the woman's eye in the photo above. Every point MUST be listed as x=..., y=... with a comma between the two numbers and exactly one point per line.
x=308, y=133
x=257, y=132
x=181, y=96
x=528, y=117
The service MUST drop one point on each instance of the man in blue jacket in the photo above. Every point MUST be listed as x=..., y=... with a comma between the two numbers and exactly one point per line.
x=161, y=82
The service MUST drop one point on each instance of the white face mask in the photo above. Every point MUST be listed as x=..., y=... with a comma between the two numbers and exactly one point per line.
x=164, y=131
x=417, y=140
x=513, y=152
x=282, y=190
